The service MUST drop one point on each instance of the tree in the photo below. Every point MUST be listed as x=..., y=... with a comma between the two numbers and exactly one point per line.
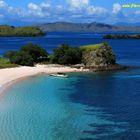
x=22, y=58
x=37, y=53
x=27, y=55
x=10, y=54
x=108, y=53
x=67, y=55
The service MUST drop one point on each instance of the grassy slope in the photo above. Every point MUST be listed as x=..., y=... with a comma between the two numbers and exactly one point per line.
x=6, y=64
x=92, y=47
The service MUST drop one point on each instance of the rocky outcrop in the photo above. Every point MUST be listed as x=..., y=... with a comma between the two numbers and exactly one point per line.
x=101, y=57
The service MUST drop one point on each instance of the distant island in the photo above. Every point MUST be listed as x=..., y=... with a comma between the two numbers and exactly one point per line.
x=28, y=31
x=42, y=29
x=86, y=27
x=121, y=36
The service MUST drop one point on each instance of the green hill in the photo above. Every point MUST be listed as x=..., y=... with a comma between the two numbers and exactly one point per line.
x=11, y=31
x=98, y=55
x=91, y=47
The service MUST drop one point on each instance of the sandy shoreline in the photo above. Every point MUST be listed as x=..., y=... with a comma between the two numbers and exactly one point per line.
x=11, y=75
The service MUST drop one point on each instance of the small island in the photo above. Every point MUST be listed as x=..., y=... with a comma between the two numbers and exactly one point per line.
x=28, y=31
x=94, y=57
x=121, y=36
x=100, y=57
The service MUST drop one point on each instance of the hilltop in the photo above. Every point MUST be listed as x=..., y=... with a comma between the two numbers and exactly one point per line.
x=100, y=57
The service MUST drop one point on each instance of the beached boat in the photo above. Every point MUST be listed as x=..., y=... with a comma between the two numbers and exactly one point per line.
x=63, y=75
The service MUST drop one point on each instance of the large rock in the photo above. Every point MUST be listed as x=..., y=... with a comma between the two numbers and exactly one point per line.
x=102, y=56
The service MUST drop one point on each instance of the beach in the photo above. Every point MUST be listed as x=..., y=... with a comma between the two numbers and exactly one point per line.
x=9, y=75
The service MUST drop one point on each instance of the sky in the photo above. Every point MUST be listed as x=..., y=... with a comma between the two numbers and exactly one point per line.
x=24, y=12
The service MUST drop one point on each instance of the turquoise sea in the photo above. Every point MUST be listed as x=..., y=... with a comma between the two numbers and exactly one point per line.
x=85, y=106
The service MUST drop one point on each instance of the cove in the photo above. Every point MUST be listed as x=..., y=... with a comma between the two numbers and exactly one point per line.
x=88, y=106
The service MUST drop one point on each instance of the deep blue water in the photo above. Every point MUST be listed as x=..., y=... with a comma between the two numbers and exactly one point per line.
x=127, y=51
x=86, y=106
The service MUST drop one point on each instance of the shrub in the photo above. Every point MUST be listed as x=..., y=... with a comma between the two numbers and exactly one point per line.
x=22, y=58
x=67, y=55
x=27, y=55
x=36, y=52
x=10, y=54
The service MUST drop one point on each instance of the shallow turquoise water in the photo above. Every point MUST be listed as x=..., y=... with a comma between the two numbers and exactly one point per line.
x=77, y=108
x=38, y=108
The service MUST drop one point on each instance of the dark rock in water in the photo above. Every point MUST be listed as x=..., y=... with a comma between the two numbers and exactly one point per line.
x=121, y=36
x=101, y=57
x=115, y=67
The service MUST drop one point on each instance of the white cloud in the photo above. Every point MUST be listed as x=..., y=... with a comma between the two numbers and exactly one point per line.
x=2, y=4
x=1, y=16
x=92, y=10
x=9, y=11
x=45, y=5
x=78, y=3
x=38, y=10
x=116, y=8
x=137, y=12
x=74, y=10
x=59, y=9
x=33, y=6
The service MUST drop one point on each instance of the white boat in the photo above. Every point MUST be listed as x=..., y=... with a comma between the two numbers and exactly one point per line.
x=63, y=75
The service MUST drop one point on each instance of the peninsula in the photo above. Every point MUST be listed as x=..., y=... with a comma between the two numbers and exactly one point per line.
x=28, y=31
x=31, y=60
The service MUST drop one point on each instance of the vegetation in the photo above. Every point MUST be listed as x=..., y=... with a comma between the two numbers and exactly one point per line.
x=12, y=31
x=67, y=55
x=91, y=55
x=37, y=53
x=121, y=36
x=27, y=55
x=6, y=64
x=92, y=47
x=102, y=55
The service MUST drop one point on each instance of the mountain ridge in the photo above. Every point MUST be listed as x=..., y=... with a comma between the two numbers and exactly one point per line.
x=86, y=27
